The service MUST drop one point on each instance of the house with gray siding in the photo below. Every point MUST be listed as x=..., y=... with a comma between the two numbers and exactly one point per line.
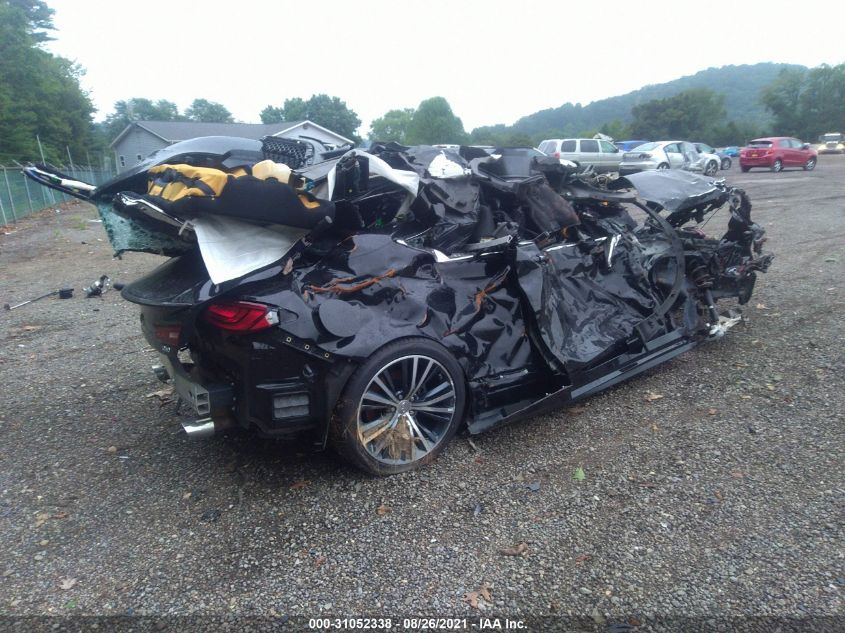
x=141, y=138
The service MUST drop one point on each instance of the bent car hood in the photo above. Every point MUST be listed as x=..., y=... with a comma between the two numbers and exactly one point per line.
x=674, y=189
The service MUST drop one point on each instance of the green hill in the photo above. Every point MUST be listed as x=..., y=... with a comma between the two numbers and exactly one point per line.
x=741, y=86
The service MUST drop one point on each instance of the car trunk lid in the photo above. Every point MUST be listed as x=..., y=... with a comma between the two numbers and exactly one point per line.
x=757, y=150
x=181, y=282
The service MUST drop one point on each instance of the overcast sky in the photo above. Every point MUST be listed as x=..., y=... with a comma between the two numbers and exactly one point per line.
x=494, y=61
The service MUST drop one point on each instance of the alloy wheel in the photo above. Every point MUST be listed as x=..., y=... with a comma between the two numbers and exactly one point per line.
x=406, y=410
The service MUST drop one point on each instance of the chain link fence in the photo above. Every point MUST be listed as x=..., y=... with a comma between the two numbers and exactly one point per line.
x=20, y=196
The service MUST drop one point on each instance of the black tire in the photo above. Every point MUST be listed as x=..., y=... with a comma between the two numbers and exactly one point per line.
x=726, y=163
x=663, y=166
x=744, y=169
x=777, y=165
x=402, y=434
x=810, y=165
x=711, y=168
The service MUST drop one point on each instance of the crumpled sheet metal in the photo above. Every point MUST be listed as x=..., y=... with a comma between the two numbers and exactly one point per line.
x=408, y=180
x=368, y=289
x=475, y=308
x=587, y=298
x=674, y=189
x=441, y=193
x=472, y=308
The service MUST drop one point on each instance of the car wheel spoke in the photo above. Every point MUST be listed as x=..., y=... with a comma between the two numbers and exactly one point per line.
x=418, y=433
x=391, y=388
x=432, y=437
x=374, y=397
x=389, y=392
x=435, y=400
x=435, y=409
x=417, y=384
x=436, y=390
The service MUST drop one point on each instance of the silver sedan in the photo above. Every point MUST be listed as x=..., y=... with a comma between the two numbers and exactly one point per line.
x=668, y=155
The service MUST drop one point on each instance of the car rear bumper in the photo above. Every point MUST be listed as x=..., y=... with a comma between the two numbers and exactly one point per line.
x=759, y=161
x=203, y=397
x=267, y=381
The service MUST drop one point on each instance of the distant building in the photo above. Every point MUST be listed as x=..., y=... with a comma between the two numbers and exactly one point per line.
x=141, y=138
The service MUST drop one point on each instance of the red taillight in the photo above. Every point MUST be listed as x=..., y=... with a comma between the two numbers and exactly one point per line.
x=240, y=316
x=168, y=334
x=557, y=154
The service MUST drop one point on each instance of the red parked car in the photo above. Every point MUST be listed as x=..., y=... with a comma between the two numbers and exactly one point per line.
x=777, y=152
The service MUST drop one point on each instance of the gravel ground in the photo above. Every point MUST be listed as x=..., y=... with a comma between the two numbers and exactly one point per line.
x=714, y=507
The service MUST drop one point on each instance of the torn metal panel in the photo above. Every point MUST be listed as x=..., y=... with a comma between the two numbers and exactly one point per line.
x=471, y=307
x=674, y=190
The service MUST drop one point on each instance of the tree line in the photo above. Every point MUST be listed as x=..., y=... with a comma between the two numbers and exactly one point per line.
x=41, y=98
x=39, y=92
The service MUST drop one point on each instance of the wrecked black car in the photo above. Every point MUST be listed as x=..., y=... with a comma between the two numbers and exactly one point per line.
x=380, y=300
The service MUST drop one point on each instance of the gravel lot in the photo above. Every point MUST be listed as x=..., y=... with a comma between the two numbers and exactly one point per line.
x=713, y=507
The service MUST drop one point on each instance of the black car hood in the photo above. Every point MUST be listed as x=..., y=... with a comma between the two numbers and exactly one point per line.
x=675, y=189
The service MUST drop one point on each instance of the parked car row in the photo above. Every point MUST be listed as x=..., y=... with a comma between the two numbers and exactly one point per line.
x=669, y=155
x=604, y=156
x=627, y=157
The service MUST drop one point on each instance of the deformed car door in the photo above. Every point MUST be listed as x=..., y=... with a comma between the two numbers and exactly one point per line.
x=589, y=296
x=675, y=155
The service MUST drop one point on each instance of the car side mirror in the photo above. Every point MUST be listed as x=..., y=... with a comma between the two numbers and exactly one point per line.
x=806, y=146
